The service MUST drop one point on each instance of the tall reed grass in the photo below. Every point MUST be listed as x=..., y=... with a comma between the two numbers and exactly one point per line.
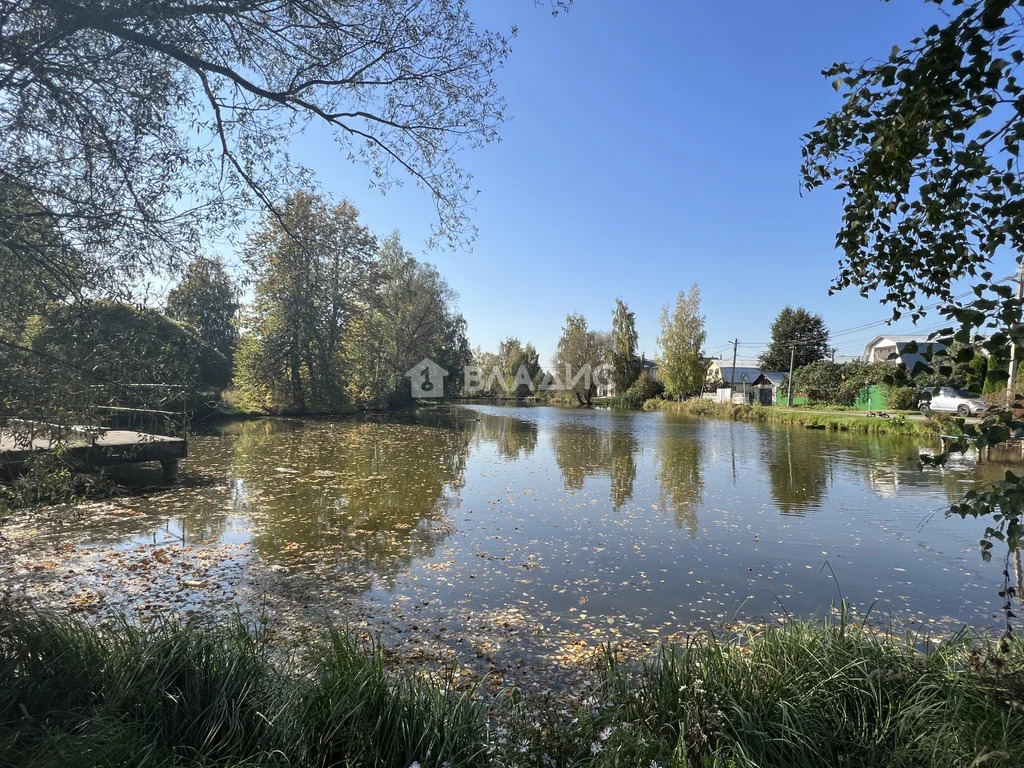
x=73, y=695
x=800, y=694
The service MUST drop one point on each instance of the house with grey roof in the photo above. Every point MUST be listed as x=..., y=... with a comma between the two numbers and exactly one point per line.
x=739, y=380
x=722, y=371
x=898, y=348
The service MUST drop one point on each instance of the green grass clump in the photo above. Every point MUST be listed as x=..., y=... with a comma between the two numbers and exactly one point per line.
x=73, y=694
x=798, y=695
x=77, y=694
x=353, y=713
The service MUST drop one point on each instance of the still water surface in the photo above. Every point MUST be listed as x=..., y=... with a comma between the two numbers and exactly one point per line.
x=533, y=528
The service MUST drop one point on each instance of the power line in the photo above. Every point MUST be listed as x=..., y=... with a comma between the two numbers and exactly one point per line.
x=849, y=344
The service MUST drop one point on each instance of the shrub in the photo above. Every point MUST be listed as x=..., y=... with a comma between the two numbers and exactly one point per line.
x=902, y=398
x=820, y=380
x=643, y=389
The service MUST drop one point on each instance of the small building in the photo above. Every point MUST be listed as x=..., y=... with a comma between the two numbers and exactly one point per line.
x=649, y=367
x=768, y=388
x=724, y=375
x=892, y=348
x=732, y=385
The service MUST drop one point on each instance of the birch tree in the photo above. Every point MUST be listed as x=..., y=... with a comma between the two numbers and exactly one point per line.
x=681, y=365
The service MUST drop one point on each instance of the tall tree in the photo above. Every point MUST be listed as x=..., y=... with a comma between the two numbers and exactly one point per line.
x=313, y=267
x=409, y=316
x=207, y=299
x=520, y=365
x=682, y=365
x=455, y=353
x=799, y=330
x=622, y=355
x=924, y=150
x=581, y=353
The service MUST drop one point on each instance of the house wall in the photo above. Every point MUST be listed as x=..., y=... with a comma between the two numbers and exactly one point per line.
x=880, y=354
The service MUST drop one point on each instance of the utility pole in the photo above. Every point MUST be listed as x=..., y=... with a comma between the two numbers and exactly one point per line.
x=732, y=374
x=1011, y=384
x=792, y=356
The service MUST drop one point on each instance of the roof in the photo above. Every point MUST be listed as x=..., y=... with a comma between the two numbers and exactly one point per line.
x=903, y=338
x=775, y=377
x=749, y=373
x=900, y=341
x=741, y=362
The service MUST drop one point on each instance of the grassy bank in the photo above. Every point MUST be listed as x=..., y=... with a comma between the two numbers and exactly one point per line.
x=898, y=424
x=801, y=694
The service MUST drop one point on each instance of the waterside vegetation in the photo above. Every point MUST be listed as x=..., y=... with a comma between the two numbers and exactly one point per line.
x=898, y=424
x=800, y=694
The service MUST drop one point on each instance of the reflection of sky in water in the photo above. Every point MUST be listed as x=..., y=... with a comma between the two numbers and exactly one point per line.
x=588, y=519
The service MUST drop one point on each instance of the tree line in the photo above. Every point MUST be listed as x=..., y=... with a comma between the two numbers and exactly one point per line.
x=588, y=359
x=337, y=317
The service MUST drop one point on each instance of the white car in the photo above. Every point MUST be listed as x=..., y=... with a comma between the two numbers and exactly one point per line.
x=951, y=400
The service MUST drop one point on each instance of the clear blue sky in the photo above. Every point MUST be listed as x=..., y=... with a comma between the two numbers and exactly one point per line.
x=652, y=145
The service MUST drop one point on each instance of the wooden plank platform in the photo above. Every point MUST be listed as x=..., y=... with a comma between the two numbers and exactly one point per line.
x=92, y=449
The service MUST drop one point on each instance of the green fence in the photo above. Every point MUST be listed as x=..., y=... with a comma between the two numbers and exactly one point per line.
x=871, y=399
x=781, y=399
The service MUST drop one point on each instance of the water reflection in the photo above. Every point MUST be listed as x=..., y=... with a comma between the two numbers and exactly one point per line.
x=514, y=438
x=680, y=480
x=624, y=448
x=582, y=451
x=464, y=512
x=369, y=497
x=798, y=470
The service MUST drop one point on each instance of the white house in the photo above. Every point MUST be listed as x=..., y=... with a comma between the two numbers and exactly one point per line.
x=892, y=348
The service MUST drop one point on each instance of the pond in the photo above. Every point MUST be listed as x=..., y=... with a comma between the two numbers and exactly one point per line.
x=505, y=538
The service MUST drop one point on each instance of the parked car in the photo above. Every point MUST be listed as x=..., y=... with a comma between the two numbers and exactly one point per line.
x=950, y=400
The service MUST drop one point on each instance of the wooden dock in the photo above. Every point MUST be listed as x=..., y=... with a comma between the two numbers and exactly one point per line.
x=90, y=449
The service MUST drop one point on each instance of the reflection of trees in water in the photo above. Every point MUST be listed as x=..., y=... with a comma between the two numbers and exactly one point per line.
x=798, y=470
x=512, y=436
x=583, y=452
x=364, y=497
x=623, y=469
x=204, y=522
x=680, y=482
